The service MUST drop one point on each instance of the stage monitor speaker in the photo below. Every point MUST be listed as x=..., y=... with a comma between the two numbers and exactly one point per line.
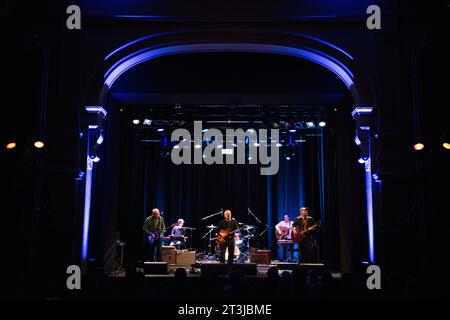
x=222, y=269
x=217, y=268
x=155, y=267
x=248, y=269
x=287, y=266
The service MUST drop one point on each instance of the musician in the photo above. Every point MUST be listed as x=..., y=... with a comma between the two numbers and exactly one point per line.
x=282, y=227
x=228, y=226
x=154, y=227
x=178, y=232
x=307, y=244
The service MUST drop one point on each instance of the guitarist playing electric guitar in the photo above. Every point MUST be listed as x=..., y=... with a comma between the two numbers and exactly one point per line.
x=154, y=228
x=302, y=235
x=225, y=236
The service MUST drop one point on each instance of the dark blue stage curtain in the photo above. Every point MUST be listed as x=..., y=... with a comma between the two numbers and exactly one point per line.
x=192, y=192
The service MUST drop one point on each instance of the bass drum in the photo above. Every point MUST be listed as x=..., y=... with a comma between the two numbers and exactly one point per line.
x=237, y=253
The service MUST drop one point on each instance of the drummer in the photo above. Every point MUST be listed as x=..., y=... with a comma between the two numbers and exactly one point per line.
x=177, y=235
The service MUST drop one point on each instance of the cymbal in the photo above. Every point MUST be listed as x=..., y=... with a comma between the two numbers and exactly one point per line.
x=248, y=227
x=212, y=227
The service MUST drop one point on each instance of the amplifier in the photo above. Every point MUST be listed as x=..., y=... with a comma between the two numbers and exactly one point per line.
x=261, y=257
x=185, y=257
x=168, y=254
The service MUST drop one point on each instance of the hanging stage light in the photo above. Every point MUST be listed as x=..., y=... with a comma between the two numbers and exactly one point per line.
x=419, y=146
x=446, y=145
x=165, y=152
x=136, y=121
x=11, y=145
x=362, y=160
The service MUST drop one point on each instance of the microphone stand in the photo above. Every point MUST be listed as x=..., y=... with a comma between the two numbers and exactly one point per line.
x=191, y=230
x=208, y=256
x=259, y=222
x=212, y=215
x=256, y=218
x=264, y=231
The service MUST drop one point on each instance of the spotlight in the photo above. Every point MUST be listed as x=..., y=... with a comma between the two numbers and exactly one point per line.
x=446, y=145
x=256, y=144
x=136, y=121
x=147, y=122
x=362, y=160
x=279, y=144
x=419, y=146
x=292, y=130
x=160, y=129
x=39, y=144
x=322, y=124
x=100, y=139
x=357, y=141
x=288, y=158
x=310, y=124
x=11, y=145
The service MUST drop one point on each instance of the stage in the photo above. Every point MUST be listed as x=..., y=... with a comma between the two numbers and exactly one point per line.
x=303, y=131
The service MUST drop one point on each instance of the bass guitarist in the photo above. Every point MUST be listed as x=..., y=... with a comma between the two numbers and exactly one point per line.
x=226, y=229
x=154, y=228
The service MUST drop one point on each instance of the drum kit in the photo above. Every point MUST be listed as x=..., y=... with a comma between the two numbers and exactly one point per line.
x=241, y=243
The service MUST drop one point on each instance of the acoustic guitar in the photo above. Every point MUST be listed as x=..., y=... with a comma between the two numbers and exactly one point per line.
x=280, y=235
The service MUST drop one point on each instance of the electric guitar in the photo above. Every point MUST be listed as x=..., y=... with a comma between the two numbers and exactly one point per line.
x=224, y=235
x=298, y=235
x=153, y=236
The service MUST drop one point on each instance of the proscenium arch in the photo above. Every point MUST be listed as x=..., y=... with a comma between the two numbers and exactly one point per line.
x=306, y=47
x=147, y=48
x=132, y=61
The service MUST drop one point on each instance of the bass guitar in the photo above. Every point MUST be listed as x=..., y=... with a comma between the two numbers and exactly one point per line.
x=298, y=235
